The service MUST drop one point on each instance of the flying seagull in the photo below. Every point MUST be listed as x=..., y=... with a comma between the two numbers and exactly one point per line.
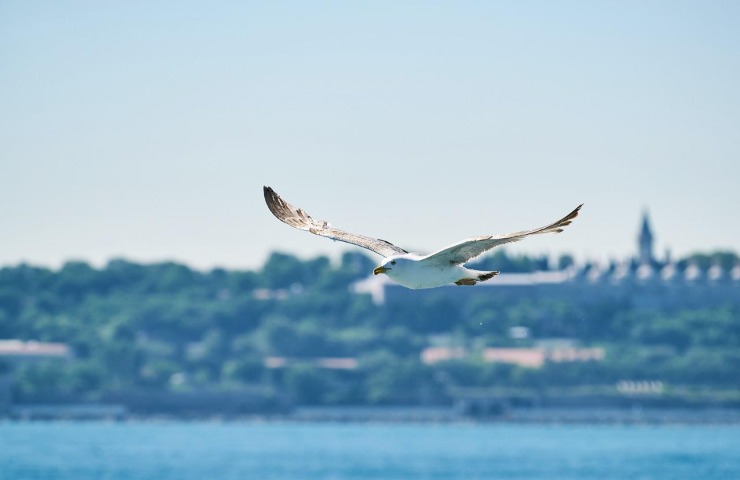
x=413, y=270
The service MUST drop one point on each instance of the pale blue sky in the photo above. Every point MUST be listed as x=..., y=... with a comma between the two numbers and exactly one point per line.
x=146, y=130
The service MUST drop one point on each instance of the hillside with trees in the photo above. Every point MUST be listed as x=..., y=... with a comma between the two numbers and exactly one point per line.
x=168, y=328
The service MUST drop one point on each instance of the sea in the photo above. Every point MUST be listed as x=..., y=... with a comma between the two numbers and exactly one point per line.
x=171, y=450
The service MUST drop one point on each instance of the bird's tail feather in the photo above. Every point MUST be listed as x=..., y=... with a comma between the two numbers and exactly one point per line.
x=487, y=276
x=476, y=276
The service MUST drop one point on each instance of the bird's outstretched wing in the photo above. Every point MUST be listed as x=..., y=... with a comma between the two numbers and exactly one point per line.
x=470, y=248
x=296, y=217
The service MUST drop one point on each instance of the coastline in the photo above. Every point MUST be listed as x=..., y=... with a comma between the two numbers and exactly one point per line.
x=391, y=414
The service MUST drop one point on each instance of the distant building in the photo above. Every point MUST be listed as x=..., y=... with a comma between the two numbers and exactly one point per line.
x=20, y=350
x=15, y=351
x=432, y=355
x=645, y=241
x=534, y=357
x=328, y=363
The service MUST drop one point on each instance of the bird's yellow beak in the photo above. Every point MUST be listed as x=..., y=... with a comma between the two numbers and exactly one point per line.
x=380, y=270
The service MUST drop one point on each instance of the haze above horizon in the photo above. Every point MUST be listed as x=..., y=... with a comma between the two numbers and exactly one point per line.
x=147, y=130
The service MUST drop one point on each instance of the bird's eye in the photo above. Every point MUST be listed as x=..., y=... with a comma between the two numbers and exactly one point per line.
x=393, y=262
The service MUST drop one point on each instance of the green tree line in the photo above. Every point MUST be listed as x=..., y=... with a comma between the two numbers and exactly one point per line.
x=168, y=327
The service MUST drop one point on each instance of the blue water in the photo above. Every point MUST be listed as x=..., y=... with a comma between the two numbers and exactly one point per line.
x=202, y=451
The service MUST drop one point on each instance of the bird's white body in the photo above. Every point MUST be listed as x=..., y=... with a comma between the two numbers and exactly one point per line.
x=412, y=271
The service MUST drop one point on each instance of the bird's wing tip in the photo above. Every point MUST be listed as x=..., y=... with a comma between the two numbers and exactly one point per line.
x=269, y=193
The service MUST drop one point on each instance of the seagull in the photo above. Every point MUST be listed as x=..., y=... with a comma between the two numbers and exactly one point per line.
x=413, y=270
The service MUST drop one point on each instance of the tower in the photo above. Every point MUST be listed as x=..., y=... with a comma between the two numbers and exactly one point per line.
x=645, y=241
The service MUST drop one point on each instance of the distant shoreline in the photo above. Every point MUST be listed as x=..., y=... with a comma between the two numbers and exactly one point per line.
x=390, y=414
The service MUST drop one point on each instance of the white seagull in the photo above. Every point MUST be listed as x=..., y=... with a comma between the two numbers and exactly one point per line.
x=413, y=270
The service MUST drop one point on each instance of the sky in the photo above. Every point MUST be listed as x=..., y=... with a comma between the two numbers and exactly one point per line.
x=146, y=130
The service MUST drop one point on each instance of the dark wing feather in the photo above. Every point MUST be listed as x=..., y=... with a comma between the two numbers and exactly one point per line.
x=298, y=218
x=470, y=248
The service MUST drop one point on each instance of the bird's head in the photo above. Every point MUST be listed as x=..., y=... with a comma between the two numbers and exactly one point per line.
x=387, y=264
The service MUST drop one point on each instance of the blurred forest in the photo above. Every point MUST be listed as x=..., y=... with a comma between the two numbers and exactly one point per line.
x=167, y=327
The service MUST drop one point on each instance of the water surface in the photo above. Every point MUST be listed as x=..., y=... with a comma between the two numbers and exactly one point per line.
x=190, y=451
